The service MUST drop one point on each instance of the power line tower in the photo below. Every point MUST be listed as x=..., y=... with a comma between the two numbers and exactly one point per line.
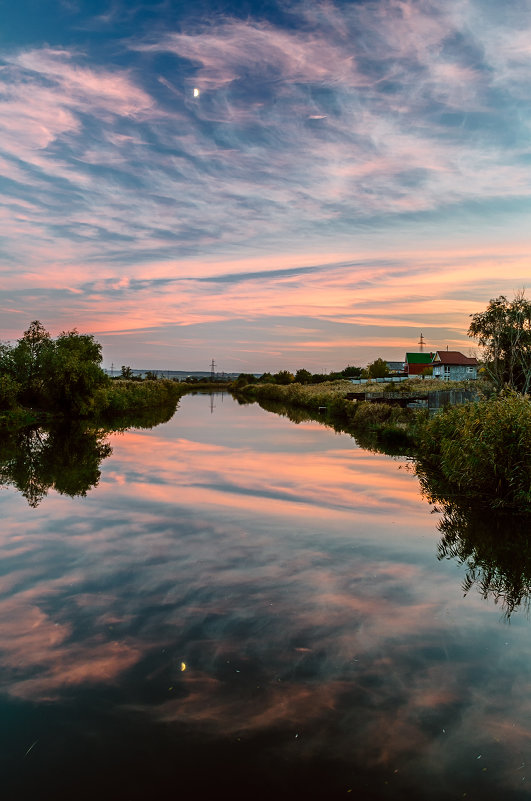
x=212, y=370
x=421, y=343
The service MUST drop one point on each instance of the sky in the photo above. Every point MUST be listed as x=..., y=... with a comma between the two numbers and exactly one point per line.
x=272, y=185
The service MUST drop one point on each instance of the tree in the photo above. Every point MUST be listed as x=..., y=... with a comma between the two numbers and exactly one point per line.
x=284, y=377
x=378, y=369
x=244, y=379
x=60, y=374
x=28, y=359
x=9, y=387
x=319, y=378
x=351, y=372
x=504, y=331
x=72, y=371
x=126, y=372
x=303, y=376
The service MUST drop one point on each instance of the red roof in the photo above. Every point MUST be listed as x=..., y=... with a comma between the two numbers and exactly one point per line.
x=454, y=357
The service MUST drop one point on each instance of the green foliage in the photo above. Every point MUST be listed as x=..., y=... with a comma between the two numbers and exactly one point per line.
x=120, y=396
x=378, y=369
x=347, y=372
x=64, y=376
x=244, y=379
x=377, y=423
x=126, y=372
x=351, y=372
x=368, y=414
x=375, y=426
x=73, y=373
x=9, y=391
x=28, y=361
x=504, y=331
x=151, y=375
x=481, y=451
x=284, y=377
x=60, y=375
x=303, y=376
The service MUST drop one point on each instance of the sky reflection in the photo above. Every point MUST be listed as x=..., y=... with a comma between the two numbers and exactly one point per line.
x=300, y=590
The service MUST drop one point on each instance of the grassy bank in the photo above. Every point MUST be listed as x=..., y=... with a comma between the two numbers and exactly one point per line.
x=478, y=453
x=111, y=400
x=391, y=427
x=120, y=396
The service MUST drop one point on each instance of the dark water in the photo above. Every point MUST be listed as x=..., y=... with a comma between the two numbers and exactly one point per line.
x=243, y=607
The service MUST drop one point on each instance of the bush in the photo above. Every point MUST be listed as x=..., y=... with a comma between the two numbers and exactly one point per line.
x=125, y=395
x=9, y=389
x=481, y=451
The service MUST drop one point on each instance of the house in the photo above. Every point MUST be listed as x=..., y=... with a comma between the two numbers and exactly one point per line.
x=417, y=362
x=450, y=365
x=395, y=368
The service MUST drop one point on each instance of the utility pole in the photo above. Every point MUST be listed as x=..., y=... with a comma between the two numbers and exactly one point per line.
x=421, y=343
x=212, y=370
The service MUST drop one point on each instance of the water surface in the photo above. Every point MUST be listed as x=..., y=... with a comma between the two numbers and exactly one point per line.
x=243, y=605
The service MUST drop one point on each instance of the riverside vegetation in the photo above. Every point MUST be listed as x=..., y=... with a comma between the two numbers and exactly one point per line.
x=478, y=453
x=43, y=378
x=65, y=455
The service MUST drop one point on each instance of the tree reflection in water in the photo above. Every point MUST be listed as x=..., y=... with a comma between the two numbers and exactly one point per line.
x=496, y=551
x=494, y=547
x=65, y=457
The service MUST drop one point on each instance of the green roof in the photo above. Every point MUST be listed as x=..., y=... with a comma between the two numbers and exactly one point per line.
x=419, y=358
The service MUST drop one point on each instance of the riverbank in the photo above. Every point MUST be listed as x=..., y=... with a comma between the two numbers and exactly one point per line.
x=392, y=427
x=114, y=399
x=478, y=453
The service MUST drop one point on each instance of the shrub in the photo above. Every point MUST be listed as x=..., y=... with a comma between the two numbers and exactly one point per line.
x=9, y=389
x=125, y=395
x=481, y=450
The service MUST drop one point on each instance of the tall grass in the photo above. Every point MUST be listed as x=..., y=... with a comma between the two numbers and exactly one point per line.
x=124, y=396
x=481, y=451
x=388, y=425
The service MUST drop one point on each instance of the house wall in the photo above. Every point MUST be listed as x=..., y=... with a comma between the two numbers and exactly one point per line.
x=416, y=369
x=457, y=372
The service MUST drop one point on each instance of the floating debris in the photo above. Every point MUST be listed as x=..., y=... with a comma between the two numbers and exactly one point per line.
x=32, y=746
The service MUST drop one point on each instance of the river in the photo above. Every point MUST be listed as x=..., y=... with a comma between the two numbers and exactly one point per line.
x=234, y=605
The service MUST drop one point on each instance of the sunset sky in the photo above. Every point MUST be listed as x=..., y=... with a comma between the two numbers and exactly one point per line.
x=269, y=184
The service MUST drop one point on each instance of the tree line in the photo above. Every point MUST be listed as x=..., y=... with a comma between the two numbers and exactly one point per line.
x=52, y=374
x=503, y=330
x=65, y=373
x=64, y=376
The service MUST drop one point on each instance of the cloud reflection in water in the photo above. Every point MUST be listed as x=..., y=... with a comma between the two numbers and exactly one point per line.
x=295, y=576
